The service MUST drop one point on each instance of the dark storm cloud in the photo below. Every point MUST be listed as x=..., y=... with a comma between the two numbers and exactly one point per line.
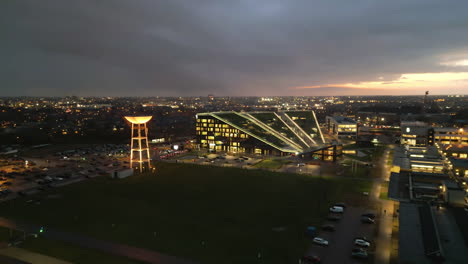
x=258, y=47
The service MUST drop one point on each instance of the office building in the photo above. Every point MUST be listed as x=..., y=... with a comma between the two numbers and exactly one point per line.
x=341, y=127
x=264, y=133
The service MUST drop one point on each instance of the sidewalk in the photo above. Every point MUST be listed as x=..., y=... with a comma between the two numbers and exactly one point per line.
x=384, y=239
x=29, y=257
x=117, y=249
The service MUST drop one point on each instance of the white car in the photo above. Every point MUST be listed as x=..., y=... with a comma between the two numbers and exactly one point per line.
x=361, y=242
x=320, y=241
x=336, y=209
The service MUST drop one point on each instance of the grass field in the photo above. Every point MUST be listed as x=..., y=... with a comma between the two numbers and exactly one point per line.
x=207, y=214
x=384, y=191
x=390, y=157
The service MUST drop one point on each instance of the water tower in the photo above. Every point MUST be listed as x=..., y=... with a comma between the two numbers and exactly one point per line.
x=139, y=147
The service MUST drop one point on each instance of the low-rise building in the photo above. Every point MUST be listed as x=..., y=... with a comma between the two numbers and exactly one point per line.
x=456, y=151
x=373, y=119
x=459, y=167
x=341, y=127
x=454, y=194
x=120, y=174
x=415, y=134
x=449, y=135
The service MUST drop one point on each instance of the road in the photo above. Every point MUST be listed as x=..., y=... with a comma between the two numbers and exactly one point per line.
x=139, y=254
x=384, y=238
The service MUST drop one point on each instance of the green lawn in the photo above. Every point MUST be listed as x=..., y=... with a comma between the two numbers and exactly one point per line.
x=361, y=171
x=366, y=158
x=6, y=233
x=384, y=191
x=233, y=211
x=390, y=157
x=271, y=164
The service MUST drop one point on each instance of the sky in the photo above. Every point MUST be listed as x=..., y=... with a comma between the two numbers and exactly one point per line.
x=233, y=48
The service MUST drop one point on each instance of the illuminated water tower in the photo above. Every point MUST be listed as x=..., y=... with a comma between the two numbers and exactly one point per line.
x=139, y=143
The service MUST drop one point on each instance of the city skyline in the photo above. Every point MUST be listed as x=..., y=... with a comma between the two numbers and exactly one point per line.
x=225, y=48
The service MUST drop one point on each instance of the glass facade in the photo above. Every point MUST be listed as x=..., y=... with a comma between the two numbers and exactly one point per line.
x=236, y=133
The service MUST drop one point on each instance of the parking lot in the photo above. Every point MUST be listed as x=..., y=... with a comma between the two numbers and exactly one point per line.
x=222, y=160
x=35, y=172
x=341, y=241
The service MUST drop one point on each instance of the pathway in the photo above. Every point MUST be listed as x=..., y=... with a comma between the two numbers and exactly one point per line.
x=116, y=249
x=26, y=256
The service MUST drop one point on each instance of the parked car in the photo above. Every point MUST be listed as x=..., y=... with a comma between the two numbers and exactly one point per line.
x=336, y=209
x=362, y=238
x=359, y=253
x=370, y=215
x=40, y=181
x=330, y=228
x=367, y=220
x=310, y=260
x=341, y=205
x=361, y=243
x=333, y=218
x=320, y=241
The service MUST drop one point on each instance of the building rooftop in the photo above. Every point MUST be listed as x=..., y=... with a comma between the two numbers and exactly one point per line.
x=414, y=124
x=343, y=120
x=446, y=129
x=307, y=121
x=411, y=247
x=460, y=163
x=462, y=148
x=296, y=131
x=430, y=234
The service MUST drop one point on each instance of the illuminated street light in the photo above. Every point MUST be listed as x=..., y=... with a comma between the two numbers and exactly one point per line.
x=141, y=138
